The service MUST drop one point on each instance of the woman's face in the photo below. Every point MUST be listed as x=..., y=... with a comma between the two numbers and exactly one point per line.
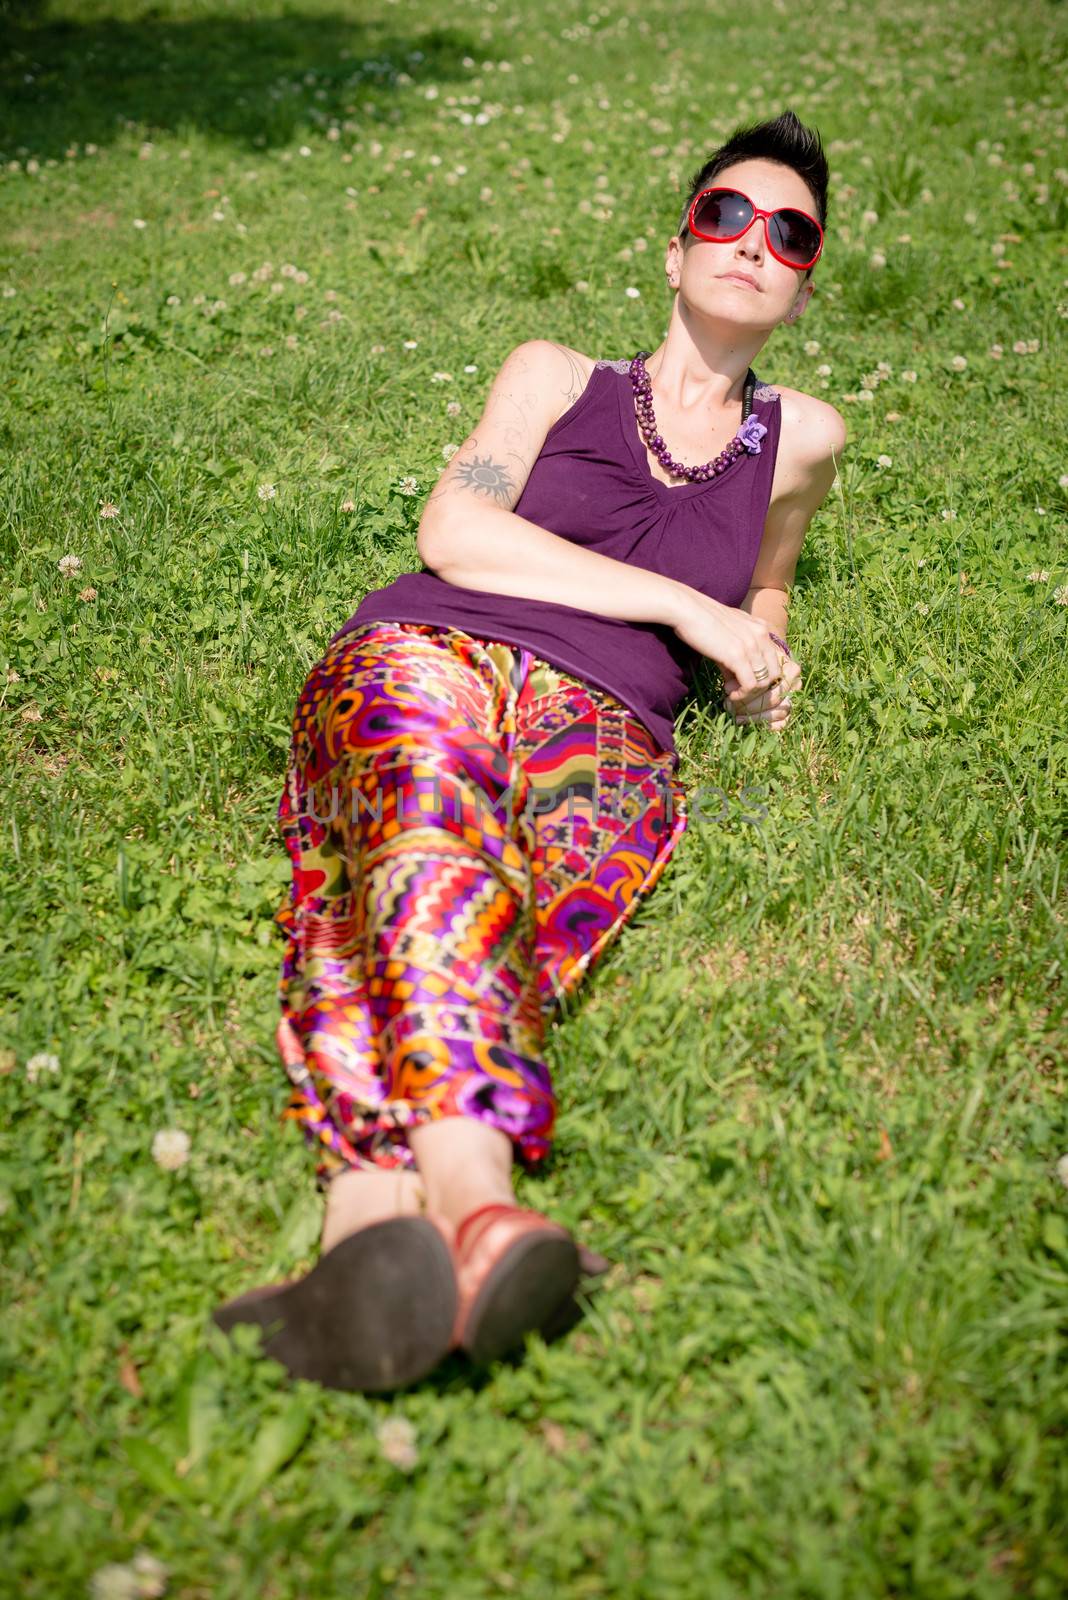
x=699, y=269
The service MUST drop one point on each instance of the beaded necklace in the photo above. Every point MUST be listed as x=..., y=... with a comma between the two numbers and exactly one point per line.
x=747, y=438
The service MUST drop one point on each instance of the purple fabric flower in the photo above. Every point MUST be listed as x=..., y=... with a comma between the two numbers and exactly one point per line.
x=750, y=433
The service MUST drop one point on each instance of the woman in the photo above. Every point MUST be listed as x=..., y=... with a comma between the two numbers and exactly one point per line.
x=482, y=782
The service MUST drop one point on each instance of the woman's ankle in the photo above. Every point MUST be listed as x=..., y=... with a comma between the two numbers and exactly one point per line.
x=464, y=1164
x=457, y=1203
x=359, y=1198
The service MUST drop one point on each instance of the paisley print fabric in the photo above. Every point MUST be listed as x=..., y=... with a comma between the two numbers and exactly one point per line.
x=468, y=828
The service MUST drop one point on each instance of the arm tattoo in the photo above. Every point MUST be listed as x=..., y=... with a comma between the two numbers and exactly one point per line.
x=487, y=477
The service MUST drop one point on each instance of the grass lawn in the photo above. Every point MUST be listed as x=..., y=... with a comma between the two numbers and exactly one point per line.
x=258, y=265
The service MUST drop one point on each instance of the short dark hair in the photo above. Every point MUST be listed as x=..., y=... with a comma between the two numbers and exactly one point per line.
x=784, y=139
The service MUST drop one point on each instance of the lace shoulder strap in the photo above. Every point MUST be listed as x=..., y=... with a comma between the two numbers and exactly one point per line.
x=763, y=391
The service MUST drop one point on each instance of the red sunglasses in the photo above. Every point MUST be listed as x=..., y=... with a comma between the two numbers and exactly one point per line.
x=793, y=237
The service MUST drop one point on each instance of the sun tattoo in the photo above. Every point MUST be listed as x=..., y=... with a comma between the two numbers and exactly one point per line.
x=485, y=477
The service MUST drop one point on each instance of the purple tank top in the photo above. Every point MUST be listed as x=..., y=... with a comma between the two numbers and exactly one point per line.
x=591, y=484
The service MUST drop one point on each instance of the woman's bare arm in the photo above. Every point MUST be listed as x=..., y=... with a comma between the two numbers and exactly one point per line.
x=470, y=535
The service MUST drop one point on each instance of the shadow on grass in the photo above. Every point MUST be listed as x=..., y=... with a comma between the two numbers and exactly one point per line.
x=255, y=79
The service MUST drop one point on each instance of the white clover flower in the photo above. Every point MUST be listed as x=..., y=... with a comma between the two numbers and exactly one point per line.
x=408, y=486
x=173, y=300
x=152, y=1575
x=1039, y=576
x=632, y=293
x=170, y=1149
x=453, y=408
x=1063, y=480
x=470, y=368
x=865, y=394
x=449, y=450
x=811, y=347
x=410, y=344
x=7, y=292
x=267, y=491
x=396, y=1440
x=957, y=304
x=291, y=341
x=1062, y=1170
x=884, y=461
x=959, y=363
x=69, y=565
x=301, y=278
x=114, y=1582
x=581, y=286
x=108, y=509
x=1060, y=594
x=144, y=1578
x=40, y=1063
x=348, y=505
x=869, y=218
x=139, y=222
x=441, y=377
x=909, y=376
x=922, y=607
x=824, y=369
x=235, y=278
x=877, y=260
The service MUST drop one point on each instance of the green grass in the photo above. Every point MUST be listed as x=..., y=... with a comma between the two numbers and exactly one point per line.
x=812, y=1102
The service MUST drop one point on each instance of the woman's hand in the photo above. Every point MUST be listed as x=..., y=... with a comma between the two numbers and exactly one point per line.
x=770, y=706
x=741, y=646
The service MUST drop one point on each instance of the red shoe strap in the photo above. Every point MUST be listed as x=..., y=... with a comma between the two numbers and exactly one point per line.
x=483, y=1213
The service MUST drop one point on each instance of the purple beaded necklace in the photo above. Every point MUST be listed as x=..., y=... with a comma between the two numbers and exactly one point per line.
x=747, y=438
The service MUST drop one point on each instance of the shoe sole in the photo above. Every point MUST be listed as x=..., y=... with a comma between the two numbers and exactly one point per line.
x=375, y=1313
x=520, y=1295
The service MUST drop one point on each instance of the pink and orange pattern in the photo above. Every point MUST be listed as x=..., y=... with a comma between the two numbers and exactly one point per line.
x=468, y=828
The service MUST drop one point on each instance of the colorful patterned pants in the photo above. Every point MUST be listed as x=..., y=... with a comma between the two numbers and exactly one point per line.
x=468, y=828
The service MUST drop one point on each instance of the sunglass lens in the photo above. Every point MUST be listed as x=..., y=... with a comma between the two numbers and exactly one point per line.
x=723, y=214
x=795, y=236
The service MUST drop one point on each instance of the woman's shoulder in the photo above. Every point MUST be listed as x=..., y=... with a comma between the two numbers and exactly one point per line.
x=566, y=372
x=811, y=428
x=812, y=435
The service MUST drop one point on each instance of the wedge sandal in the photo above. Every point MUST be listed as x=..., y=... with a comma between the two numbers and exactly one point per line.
x=515, y=1269
x=376, y=1312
